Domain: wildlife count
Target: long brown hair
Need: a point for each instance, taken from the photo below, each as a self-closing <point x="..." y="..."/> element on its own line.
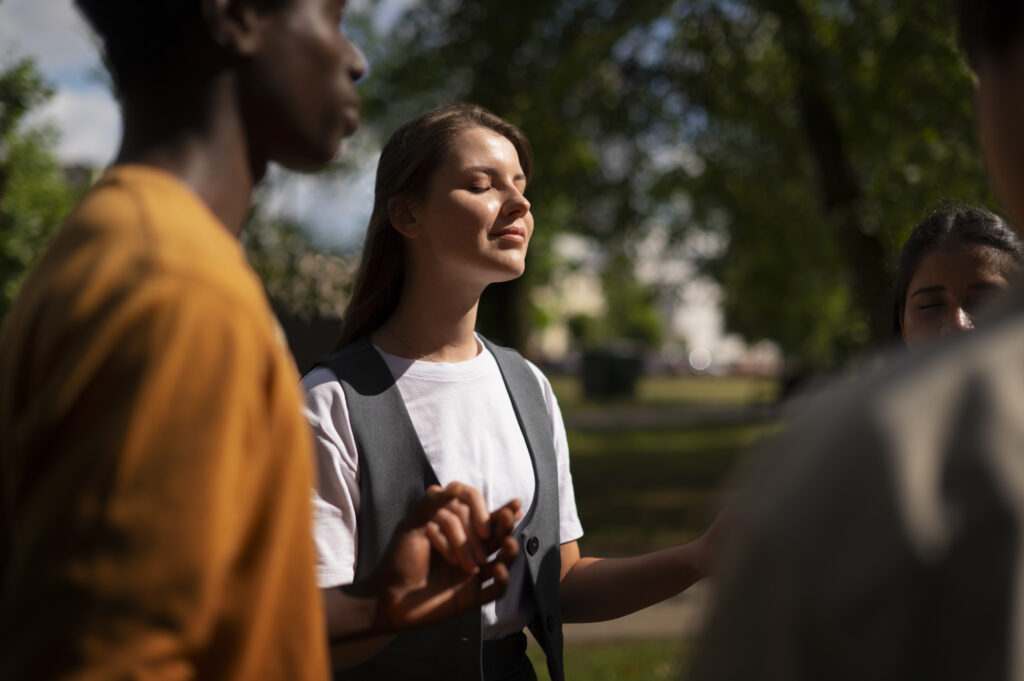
<point x="405" y="171"/>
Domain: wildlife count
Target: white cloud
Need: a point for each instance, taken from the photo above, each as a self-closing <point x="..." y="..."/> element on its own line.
<point x="89" y="123"/>
<point x="52" y="32"/>
<point x="333" y="207"/>
<point x="55" y="35"/>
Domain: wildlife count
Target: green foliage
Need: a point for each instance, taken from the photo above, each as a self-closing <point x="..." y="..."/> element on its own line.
<point x="547" y="67"/>
<point x="34" y="195"/>
<point x="657" y="660"/>
<point x="299" y="276"/>
<point x="812" y="133"/>
<point x="825" y="130"/>
<point x="632" y="311"/>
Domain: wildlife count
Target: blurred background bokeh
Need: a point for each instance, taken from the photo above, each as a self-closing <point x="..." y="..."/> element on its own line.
<point x="721" y="188"/>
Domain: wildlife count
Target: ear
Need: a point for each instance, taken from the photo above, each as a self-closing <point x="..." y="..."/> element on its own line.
<point x="402" y="218"/>
<point x="234" y="25"/>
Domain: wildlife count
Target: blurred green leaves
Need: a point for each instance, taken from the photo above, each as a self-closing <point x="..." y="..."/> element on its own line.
<point x="811" y="134"/>
<point x="34" y="195"/>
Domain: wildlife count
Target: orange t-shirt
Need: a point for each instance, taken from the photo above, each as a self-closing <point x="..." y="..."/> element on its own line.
<point x="155" y="468"/>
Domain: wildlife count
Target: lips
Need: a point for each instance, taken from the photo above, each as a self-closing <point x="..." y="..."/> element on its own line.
<point x="517" y="234"/>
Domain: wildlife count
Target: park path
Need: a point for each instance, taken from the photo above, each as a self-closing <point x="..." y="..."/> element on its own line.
<point x="682" y="615"/>
<point x="678" y="617"/>
<point x="618" y="416"/>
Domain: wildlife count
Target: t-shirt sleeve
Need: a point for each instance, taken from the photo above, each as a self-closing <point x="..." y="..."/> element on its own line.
<point x="174" y="494"/>
<point x="336" y="495"/>
<point x="570" y="528"/>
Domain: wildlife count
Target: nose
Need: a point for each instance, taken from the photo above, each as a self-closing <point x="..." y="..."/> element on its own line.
<point x="517" y="204"/>
<point x="357" y="65"/>
<point x="959" y="321"/>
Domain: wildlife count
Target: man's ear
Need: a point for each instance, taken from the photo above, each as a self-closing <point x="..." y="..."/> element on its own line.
<point x="402" y="219"/>
<point x="234" y="25"/>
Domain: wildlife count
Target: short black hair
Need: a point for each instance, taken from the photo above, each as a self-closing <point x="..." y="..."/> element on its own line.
<point x="143" y="39"/>
<point x="989" y="28"/>
<point x="140" y="38"/>
<point x="955" y="225"/>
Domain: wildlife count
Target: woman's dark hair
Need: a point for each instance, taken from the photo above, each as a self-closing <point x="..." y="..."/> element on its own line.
<point x="405" y="171"/>
<point x="989" y="28"/>
<point x="952" y="228"/>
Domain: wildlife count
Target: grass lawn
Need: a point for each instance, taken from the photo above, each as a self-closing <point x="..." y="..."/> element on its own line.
<point x="640" y="489"/>
<point x="657" y="390"/>
<point x="653" y="660"/>
<point x="637" y="490"/>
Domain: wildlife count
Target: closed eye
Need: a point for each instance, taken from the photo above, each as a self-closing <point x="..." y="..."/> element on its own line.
<point x="477" y="189"/>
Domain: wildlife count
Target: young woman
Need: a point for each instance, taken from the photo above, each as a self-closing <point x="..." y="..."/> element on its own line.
<point x="414" y="397"/>
<point x="949" y="269"/>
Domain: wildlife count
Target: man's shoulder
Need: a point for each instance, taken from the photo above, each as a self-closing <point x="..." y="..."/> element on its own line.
<point x="140" y="228"/>
<point x="893" y="429"/>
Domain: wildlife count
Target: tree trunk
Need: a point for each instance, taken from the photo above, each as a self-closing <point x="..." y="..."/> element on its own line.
<point x="840" y="188"/>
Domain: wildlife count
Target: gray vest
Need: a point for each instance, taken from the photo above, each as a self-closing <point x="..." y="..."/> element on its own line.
<point x="393" y="475"/>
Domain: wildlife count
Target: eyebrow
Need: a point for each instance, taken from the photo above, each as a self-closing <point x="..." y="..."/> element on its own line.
<point x="491" y="171"/>
<point x="928" y="289"/>
<point x="976" y="286"/>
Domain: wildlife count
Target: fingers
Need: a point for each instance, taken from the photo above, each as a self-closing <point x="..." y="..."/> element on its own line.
<point x="450" y="534"/>
<point x="498" y="573"/>
<point x="502" y="522"/>
<point x="474" y="501"/>
<point x="452" y="518"/>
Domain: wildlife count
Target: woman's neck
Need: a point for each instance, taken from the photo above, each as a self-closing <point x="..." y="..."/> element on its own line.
<point x="431" y="325"/>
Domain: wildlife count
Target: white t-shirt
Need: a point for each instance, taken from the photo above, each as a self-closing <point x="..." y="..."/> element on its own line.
<point x="465" y="421"/>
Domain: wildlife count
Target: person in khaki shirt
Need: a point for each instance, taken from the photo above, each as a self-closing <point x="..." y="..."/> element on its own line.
<point x="155" y="468"/>
<point x="881" y="537"/>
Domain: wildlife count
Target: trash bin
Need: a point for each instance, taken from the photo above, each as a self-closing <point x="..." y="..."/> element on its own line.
<point x="610" y="372"/>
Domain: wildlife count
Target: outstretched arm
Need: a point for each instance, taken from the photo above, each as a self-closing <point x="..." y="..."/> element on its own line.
<point x="434" y="569"/>
<point x="598" y="589"/>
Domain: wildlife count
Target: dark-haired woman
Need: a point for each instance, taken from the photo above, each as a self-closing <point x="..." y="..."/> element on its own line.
<point x="414" y="396"/>
<point x="950" y="268"/>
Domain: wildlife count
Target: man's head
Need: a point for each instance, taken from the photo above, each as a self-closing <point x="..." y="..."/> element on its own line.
<point x="992" y="33"/>
<point x="291" y="70"/>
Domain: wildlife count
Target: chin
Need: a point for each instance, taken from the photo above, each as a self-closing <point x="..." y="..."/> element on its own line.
<point x="313" y="153"/>
<point x="510" y="273"/>
<point x="313" y="159"/>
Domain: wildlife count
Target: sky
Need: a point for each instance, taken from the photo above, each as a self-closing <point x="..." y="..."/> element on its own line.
<point x="334" y="208"/>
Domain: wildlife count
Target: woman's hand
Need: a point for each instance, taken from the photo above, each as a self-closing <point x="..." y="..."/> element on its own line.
<point x="436" y="565"/>
<point x="705" y="548"/>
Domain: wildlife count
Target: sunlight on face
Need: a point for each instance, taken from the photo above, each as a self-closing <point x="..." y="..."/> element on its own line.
<point x="475" y="225"/>
<point x="949" y="289"/>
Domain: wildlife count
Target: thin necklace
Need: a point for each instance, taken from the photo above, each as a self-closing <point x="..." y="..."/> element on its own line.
<point x="417" y="353"/>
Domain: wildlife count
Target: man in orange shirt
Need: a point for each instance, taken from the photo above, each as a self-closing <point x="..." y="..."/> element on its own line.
<point x="155" y="469"/>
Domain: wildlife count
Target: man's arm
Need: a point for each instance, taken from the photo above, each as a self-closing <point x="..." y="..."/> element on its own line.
<point x="435" y="568"/>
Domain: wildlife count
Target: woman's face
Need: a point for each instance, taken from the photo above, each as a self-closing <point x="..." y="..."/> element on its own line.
<point x="475" y="224"/>
<point x="949" y="288"/>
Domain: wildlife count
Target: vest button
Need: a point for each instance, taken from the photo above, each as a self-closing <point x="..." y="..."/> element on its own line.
<point x="532" y="545"/>
<point x="550" y="622"/>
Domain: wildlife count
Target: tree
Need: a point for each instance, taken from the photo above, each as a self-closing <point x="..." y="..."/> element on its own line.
<point x="825" y="130"/>
<point x="301" y="278"/>
<point x="547" y="67"/>
<point x="811" y="133"/>
<point x="34" y="195"/>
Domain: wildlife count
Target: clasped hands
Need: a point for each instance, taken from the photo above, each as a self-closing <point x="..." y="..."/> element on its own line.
<point x="449" y="555"/>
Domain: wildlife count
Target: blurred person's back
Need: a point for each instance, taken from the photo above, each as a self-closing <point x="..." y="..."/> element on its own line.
<point x="880" y="537"/>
